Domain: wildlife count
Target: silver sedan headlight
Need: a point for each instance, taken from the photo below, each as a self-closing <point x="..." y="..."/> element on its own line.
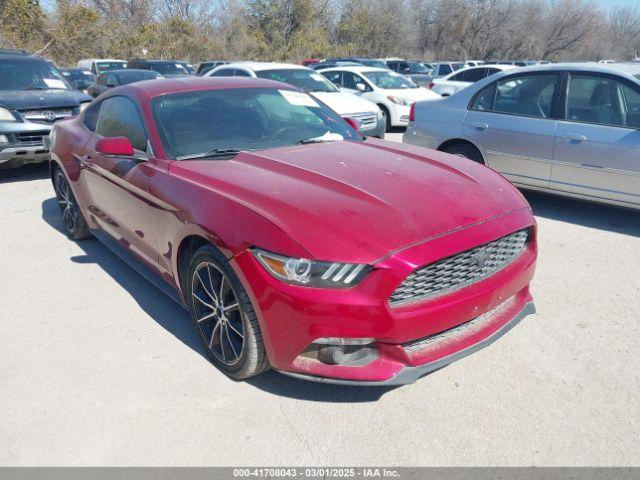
<point x="400" y="101"/>
<point x="311" y="273"/>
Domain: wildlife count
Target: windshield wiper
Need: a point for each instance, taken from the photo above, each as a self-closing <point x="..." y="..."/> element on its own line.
<point x="305" y="141"/>
<point x="215" y="153"/>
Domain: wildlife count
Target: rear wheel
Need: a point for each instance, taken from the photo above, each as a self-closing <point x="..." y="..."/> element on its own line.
<point x="466" y="151"/>
<point x="74" y="224"/>
<point x="224" y="316"/>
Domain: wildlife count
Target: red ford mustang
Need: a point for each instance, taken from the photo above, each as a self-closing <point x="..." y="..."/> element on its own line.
<point x="294" y="242"/>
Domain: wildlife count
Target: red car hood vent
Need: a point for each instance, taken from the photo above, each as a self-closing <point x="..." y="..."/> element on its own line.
<point x="357" y="202"/>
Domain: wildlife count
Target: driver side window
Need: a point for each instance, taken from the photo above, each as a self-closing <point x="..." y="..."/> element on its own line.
<point x="349" y="80"/>
<point x="119" y="117"/>
<point x="530" y="96"/>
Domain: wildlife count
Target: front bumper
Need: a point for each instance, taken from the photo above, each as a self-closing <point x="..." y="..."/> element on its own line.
<point x="377" y="131"/>
<point x="400" y="115"/>
<point x="25" y="143"/>
<point x="410" y="374"/>
<point x="17" y="156"/>
<point x="293" y="317"/>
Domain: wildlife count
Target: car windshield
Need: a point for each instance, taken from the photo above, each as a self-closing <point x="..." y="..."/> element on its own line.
<point x="389" y="80"/>
<point x="193" y="123"/>
<point x="30" y="75"/>
<point x="131" y="76"/>
<point x="418" y="67"/>
<point x="373" y="63"/>
<point x="304" y="79"/>
<point x="169" y="68"/>
<point x="78" y="75"/>
<point x="106" y="66"/>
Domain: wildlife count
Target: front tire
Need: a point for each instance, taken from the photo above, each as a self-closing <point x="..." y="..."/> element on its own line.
<point x="387" y="118"/>
<point x="223" y="316"/>
<point x="73" y="221"/>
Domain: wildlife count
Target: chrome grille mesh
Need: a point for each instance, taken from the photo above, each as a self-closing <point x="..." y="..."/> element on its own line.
<point x="368" y="119"/>
<point x="460" y="270"/>
<point x="31" y="137"/>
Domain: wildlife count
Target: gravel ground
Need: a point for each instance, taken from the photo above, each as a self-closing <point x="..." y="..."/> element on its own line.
<point x="97" y="367"/>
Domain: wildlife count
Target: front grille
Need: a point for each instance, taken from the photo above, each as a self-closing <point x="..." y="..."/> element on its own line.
<point x="31" y="137"/>
<point x="368" y="119"/>
<point x="460" y="270"/>
<point x="464" y="329"/>
<point x="47" y="114"/>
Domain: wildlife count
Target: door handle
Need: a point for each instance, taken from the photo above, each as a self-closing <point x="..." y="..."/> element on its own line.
<point x="85" y="161"/>
<point x="575" y="138"/>
<point x="480" y="126"/>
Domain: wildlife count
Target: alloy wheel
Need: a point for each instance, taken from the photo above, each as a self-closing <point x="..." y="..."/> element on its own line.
<point x="218" y="313"/>
<point x="66" y="202"/>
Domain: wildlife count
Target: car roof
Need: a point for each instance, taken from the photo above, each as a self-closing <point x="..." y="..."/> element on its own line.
<point x="478" y="67"/>
<point x="139" y="60"/>
<point x="496" y="66"/>
<point x="613" y="68"/>
<point x="154" y="88"/>
<point x="21" y="57"/>
<point x="355" y="69"/>
<point x="102" y="60"/>
<point x="259" y="66"/>
<point x="129" y="70"/>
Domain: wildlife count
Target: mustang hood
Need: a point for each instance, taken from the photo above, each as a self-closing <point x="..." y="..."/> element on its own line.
<point x="357" y="202"/>
<point x="41" y="99"/>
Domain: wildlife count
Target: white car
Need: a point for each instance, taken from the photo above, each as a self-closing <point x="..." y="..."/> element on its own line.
<point x="98" y="66"/>
<point x="456" y="81"/>
<point x="392" y="92"/>
<point x="370" y="116"/>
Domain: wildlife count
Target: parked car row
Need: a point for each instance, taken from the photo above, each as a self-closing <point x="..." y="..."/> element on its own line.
<point x="367" y="113"/>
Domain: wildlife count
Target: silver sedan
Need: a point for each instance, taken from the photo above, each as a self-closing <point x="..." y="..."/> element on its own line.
<point x="569" y="129"/>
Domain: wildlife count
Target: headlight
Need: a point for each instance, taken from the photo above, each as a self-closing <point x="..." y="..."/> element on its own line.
<point x="6" y="115"/>
<point x="301" y="271"/>
<point x="84" y="105"/>
<point x="400" y="101"/>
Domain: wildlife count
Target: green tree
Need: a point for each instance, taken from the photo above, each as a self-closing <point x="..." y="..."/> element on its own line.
<point x="21" y="24"/>
<point x="76" y="32"/>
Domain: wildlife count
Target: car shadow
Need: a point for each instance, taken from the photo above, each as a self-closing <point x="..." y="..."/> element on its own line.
<point x="25" y="173"/>
<point x="175" y="319"/>
<point x="584" y="213"/>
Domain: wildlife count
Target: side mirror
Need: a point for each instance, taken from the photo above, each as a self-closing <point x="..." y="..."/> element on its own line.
<point x="354" y="123"/>
<point x="361" y="87"/>
<point x="115" y="147"/>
